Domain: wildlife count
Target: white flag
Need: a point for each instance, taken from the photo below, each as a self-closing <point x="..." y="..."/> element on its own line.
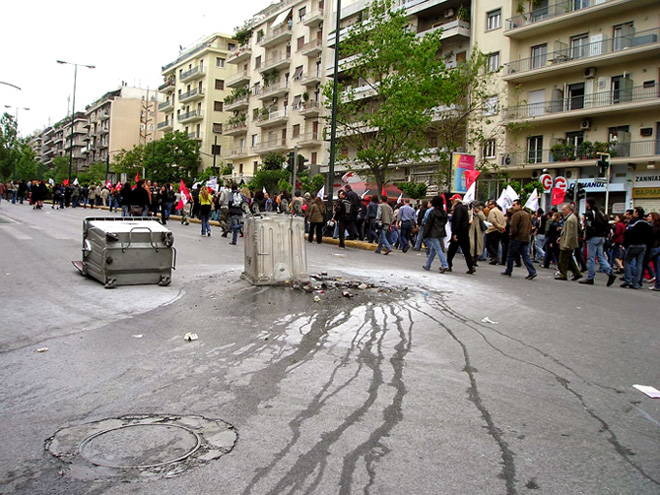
<point x="75" y="181"/>
<point x="364" y="194"/>
<point x="504" y="201"/>
<point x="470" y="195"/>
<point x="263" y="189"/>
<point x="51" y="182"/>
<point x="400" y="198"/>
<point x="321" y="192"/>
<point x="512" y="193"/>
<point x="533" y="201"/>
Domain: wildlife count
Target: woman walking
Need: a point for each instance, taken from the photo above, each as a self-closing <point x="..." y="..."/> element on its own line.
<point x="205" y="201"/>
<point x="316" y="220"/>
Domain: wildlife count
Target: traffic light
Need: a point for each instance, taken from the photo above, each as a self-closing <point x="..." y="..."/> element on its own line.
<point x="603" y="165"/>
<point x="570" y="192"/>
<point x="290" y="159"/>
<point x="581" y="192"/>
<point x="301" y="163"/>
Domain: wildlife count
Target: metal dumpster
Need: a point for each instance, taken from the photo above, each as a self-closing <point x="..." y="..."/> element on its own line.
<point x="275" y="250"/>
<point x="127" y="251"/>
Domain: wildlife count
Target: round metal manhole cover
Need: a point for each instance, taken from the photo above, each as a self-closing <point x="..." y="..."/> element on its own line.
<point x="139" y="447"/>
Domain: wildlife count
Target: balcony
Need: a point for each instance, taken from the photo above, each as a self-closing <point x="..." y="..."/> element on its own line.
<point x="243" y="53"/>
<point x="570" y="157"/>
<point x="274" y="90"/>
<point x="238" y="80"/>
<point x="105" y="115"/>
<point x="278" y="61"/>
<point x="276" y="36"/>
<point x="237" y="152"/>
<point x="449" y="29"/>
<point x="359" y="93"/>
<point x="311" y="79"/>
<point x="565" y="14"/>
<point x="196" y="136"/>
<point x="166" y="106"/>
<point x="193" y="94"/>
<point x="103" y="130"/>
<point x="273" y="118"/>
<point x="310" y="108"/>
<point x="190" y="116"/>
<point x="165" y="126"/>
<point x="272" y="145"/>
<point x="313" y="19"/>
<point x="623" y="100"/>
<point x="192" y="74"/>
<point x="167" y="86"/>
<point x="312" y="48"/>
<point x="240" y="103"/>
<point x="235" y="128"/>
<point x="309" y="139"/>
<point x="606" y="52"/>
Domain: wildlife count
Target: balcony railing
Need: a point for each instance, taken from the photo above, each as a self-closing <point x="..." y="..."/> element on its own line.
<point x="192" y="73"/>
<point x="309" y="108"/>
<point x="312" y="48"/>
<point x="190" y="95"/>
<point x="191" y="115"/>
<point x="272" y="118"/>
<point x="313" y="18"/>
<point x="196" y="136"/>
<point x="239" y="79"/>
<point x="243" y="53"/>
<point x="587" y="101"/>
<point x="166" y="104"/>
<point x="633" y="149"/>
<point x="584" y="52"/>
<point x="169" y="85"/>
<point x="270" y="145"/>
<point x="238" y="103"/>
<point x="309" y="139"/>
<point x="164" y="125"/>
<point x="275" y="61"/>
<point x="275" y="89"/>
<point x="550" y="12"/>
<point x="275" y="36"/>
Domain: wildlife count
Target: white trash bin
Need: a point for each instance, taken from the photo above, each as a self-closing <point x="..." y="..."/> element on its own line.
<point x="275" y="251"/>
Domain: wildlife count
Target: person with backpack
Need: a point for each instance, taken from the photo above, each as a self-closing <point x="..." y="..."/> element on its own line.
<point x="596" y="231"/>
<point x="236" y="201"/>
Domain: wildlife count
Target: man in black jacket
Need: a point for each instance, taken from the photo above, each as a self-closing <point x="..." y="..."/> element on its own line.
<point x="460" y="228"/>
<point x="597" y="229"/>
<point x="355" y="208"/>
<point x="637" y="239"/>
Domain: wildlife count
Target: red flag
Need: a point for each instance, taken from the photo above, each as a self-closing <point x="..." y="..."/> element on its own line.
<point x="185" y="196"/>
<point x="557" y="196"/>
<point x="470" y="177"/>
<point x="383" y="193"/>
<point x="65" y="182"/>
<point x="137" y="177"/>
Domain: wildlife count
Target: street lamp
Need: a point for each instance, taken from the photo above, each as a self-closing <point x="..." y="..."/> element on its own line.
<point x="73" y="108"/>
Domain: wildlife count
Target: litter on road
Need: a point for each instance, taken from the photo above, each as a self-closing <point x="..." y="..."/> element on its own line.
<point x="190" y="336"/>
<point x="488" y="320"/>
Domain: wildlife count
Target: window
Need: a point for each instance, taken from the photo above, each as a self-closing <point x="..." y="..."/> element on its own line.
<point x="301" y="13"/>
<point x="256" y="89"/>
<point x="494" y="62"/>
<point x="494" y="19"/>
<point x="231" y="46"/>
<point x="490" y="108"/>
<point x="575" y="96"/>
<point x="240" y="168"/>
<point x="314" y="155"/>
<point x="296" y="130"/>
<point x="219" y="62"/>
<point x="300" y="43"/>
<point x="219" y="84"/>
<point x="535" y="149"/>
<point x="255" y="139"/>
<point x="217" y="127"/>
<point x="539" y="56"/>
<point x="623" y="35"/>
<point x="217" y="106"/>
<point x="215" y="149"/>
<point x="298" y="73"/>
<point x="257" y="62"/>
<point x="580" y="46"/>
<point x="489" y="149"/>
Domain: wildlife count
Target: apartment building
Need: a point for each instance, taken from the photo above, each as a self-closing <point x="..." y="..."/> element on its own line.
<point x="56" y="141"/>
<point x="276" y="90"/>
<point x="194" y="95"/>
<point x="425" y="16"/>
<point x="120" y="119"/>
<point x="579" y="77"/>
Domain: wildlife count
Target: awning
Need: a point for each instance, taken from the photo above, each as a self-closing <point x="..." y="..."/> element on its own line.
<point x="281" y="18"/>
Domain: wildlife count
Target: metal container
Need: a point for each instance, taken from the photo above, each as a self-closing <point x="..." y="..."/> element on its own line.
<point x="275" y="250"/>
<point x="127" y="251"/>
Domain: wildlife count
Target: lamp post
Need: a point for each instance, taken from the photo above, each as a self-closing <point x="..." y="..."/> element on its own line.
<point x="73" y="108"/>
<point x="333" y="120"/>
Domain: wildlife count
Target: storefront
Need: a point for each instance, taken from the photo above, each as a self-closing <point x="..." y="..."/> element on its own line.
<point x="646" y="190"/>
<point x="597" y="189"/>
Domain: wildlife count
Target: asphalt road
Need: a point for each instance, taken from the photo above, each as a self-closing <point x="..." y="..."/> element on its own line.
<point x="400" y="389"/>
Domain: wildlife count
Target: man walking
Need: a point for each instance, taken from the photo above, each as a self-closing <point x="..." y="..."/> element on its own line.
<point x="595" y="233"/>
<point x="637" y="238"/>
<point x="568" y="241"/>
<point x="520" y="232"/>
<point x="460" y="233"/>
<point x="406" y="220"/>
<point x="494" y="232"/>
<point x="384" y="219"/>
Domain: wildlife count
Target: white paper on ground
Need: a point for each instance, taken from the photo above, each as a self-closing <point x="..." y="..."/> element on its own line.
<point x="652" y="392"/>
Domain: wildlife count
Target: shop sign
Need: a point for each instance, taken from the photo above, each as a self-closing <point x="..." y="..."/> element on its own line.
<point x="646" y="193"/>
<point x="647" y="179"/>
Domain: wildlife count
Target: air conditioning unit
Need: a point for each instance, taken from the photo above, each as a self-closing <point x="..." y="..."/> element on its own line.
<point x="585" y="124"/>
<point x="572" y="173"/>
<point x="449" y="13"/>
<point x="589" y="72"/>
<point x="506" y="159"/>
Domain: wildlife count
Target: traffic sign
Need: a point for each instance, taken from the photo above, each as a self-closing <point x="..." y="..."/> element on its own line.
<point x="546" y="182"/>
<point x="560" y="183"/>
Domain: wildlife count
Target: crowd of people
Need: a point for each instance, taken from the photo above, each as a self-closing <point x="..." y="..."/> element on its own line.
<point x="625" y="245"/>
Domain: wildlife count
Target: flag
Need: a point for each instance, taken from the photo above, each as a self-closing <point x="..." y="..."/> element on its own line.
<point x="470" y="178"/>
<point x="383" y="191"/>
<point x="504" y="201"/>
<point x="118" y="184"/>
<point x="364" y="194"/>
<point x="321" y="192"/>
<point x="557" y="196"/>
<point x="65" y="182"/>
<point x="108" y="184"/>
<point x="184" y="197"/>
<point x="512" y="193"/>
<point x="51" y="182"/>
<point x="75" y="181"/>
<point x="533" y="201"/>
<point x="137" y="177"/>
<point x="263" y="189"/>
<point x="400" y="198"/>
<point x="471" y="194"/>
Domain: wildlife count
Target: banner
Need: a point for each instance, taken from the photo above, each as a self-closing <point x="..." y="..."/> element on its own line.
<point x="558" y="195"/>
<point x="461" y="162"/>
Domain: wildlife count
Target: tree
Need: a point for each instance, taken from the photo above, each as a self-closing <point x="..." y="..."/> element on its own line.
<point x="416" y="190"/>
<point x="26" y="162"/>
<point x="7" y="144"/>
<point x="406" y="81"/>
<point x="273" y="161"/>
<point x="60" y="170"/>
<point x="95" y="174"/>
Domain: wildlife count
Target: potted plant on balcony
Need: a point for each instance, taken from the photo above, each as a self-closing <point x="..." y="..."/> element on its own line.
<point x="264" y="113"/>
<point x="463" y="13"/>
<point x="243" y="35"/>
<point x="260" y="35"/>
<point x="269" y="77"/>
<point x="305" y="96"/>
<point x="585" y="150"/>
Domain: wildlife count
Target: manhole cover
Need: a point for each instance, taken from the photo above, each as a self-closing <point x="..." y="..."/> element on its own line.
<point x="140" y="447"/>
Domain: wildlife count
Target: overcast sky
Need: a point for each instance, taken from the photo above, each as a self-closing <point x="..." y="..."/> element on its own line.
<point x="126" y="41"/>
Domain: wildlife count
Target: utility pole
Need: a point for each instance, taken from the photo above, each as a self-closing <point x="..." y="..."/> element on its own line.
<point x="604" y="162"/>
<point x="295" y="169"/>
<point x="333" y="121"/>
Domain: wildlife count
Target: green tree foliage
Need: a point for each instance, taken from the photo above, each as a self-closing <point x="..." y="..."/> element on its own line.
<point x="416" y="190"/>
<point x="95" y="174"/>
<point x="169" y="159"/>
<point x="7" y="145"/>
<point x="26" y="162"/>
<point x="406" y="81"/>
<point x="273" y="161"/>
<point x="60" y="170"/>
<point x="269" y="179"/>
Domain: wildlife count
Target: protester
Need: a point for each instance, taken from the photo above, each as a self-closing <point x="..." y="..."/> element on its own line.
<point x="494" y="231"/>
<point x="596" y="231"/>
<point x="205" y="200"/>
<point x="435" y="232"/>
<point x="384" y="219"/>
<point x="568" y="242"/>
<point x="637" y="239"/>
<point x="317" y="213"/>
<point x="520" y="232"/>
<point x="460" y="229"/>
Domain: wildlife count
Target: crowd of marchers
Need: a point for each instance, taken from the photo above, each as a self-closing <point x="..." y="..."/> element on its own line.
<point x="625" y="245"/>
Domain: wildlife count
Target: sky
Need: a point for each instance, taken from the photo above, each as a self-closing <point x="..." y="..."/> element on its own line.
<point x="126" y="40"/>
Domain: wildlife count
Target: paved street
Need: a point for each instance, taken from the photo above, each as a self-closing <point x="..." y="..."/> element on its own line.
<point x="400" y="389"/>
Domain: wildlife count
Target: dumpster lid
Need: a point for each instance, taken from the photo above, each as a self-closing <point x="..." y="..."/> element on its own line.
<point x="127" y="226"/>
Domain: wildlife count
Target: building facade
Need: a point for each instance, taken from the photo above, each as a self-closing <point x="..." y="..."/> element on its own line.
<point x="276" y="91"/>
<point x="193" y="96"/>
